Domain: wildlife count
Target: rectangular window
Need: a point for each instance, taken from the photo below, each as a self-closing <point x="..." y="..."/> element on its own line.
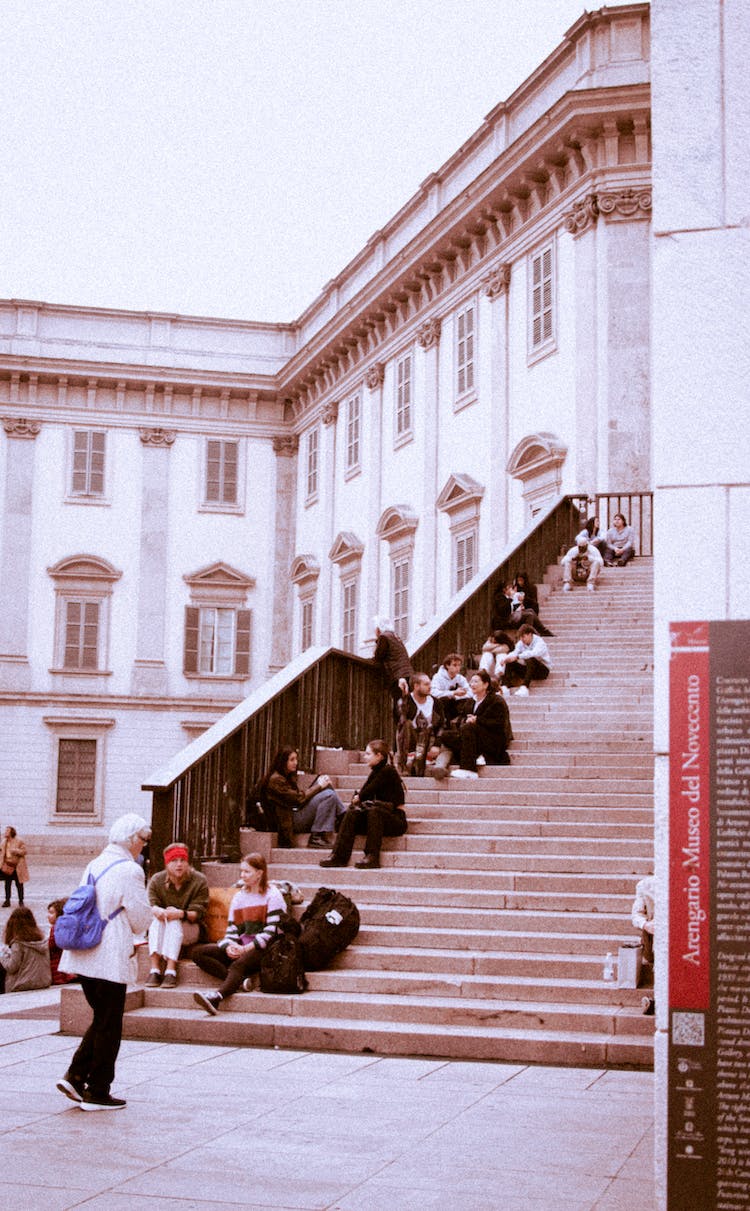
<point x="353" y="422"/>
<point x="81" y="640"/>
<point x="307" y="625"/>
<point x="312" y="463"/>
<point x="542" y="299"/>
<point x="465" y="351"/>
<point x="217" y="641"/>
<point x="403" y="397"/>
<point x="222" y="472"/>
<point x="464" y="554"/>
<point x="401" y="597"/>
<point x="88" y="463"/>
<point x="76" y="777"/>
<point x="349" y="616"/>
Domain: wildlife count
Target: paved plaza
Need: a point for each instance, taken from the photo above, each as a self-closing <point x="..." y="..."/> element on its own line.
<point x="229" y="1128"/>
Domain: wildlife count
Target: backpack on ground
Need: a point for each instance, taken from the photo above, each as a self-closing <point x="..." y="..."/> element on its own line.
<point x="81" y="925"/>
<point x="282" y="968"/>
<point x="329" y="923"/>
<point x="291" y="893"/>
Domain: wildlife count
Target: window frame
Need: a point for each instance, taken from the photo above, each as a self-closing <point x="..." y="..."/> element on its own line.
<point x="88" y="581"/>
<point x="401" y="592"/>
<point x="547" y="342"/>
<point x="403" y="429"/>
<point x="312" y="465"/>
<point x="307" y="621"/>
<point x="349" y="612"/>
<point x="353" y="451"/>
<point x="462" y="571"/>
<point x="87" y="495"/>
<point x="196" y="618"/>
<point x="466" y="363"/>
<point x="63" y="728"/>
<point x="222" y="505"/>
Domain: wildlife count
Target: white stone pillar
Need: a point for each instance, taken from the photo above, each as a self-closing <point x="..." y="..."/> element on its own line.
<point x="428" y="338"/>
<point x="149" y="668"/>
<point x="374" y="383"/>
<point x="285" y="449"/>
<point x="496" y="286"/>
<point x="15" y="565"/>
<point x="328" y="478"/>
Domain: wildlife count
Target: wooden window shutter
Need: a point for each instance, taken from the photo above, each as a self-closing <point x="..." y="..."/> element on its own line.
<point x="242" y="644"/>
<point x="192" y="630"/>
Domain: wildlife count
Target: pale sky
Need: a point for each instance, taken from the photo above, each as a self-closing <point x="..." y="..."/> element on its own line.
<point x="228" y="157"/>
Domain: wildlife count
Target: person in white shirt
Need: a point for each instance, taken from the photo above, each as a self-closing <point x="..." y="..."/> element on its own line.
<point x="619" y="542"/>
<point x="451" y="687"/>
<point x="529" y="661"/>
<point x="581" y="563"/>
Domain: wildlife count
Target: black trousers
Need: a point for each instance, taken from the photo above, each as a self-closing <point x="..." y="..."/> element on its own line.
<point x="214" y="960"/>
<point x="94" y="1062"/>
<point x="524" y="672"/>
<point x="9" y="880"/>
<point x="375" y="822"/>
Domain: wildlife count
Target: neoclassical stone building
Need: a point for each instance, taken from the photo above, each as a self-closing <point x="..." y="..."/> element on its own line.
<point x="188" y="503"/>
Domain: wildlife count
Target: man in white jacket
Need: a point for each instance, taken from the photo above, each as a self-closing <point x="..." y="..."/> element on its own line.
<point x="581" y="563"/>
<point x="104" y="971"/>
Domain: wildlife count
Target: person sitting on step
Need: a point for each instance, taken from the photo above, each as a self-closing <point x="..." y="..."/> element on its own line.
<point x="451" y="687"/>
<point x="529" y="661"/>
<point x="495" y="650"/>
<point x="178" y="896"/>
<point x="315" y="810"/>
<point x="254" y="917"/>
<point x="24" y="955"/>
<point x="483" y="736"/>
<point x="376" y="811"/>
<point x="581" y="564"/>
<point x="642" y="916"/>
<point x="420" y="727"/>
<point x="619" y="542"/>
<point x="525" y="594"/>
<point x="509" y="610"/>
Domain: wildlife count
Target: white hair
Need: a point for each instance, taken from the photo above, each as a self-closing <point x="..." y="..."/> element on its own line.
<point x="382" y="622"/>
<point x="126" y="827"/>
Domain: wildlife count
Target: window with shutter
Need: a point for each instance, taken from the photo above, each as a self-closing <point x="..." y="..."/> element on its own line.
<point x="87" y="474"/>
<point x="542" y="299"/>
<point x="403" y="397"/>
<point x="464" y="559"/>
<point x="465" y="351"/>
<point x="222" y="472"/>
<point x="312" y="464"/>
<point x="306" y="636"/>
<point x="192" y="631"/>
<point x="401" y="597"/>
<point x="81" y="635"/>
<point x="349" y="616"/>
<point x="76" y="777"/>
<point x="217" y="641"/>
<point x="353" y="424"/>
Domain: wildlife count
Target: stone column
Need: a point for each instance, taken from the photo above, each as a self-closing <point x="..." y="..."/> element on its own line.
<point x="328" y="486"/>
<point x="589" y="380"/>
<point x="428" y="338"/>
<point x="496" y="287"/>
<point x="149" y="668"/>
<point x="15" y="565"/>
<point x="285" y="449"/>
<point x="374" y="383"/>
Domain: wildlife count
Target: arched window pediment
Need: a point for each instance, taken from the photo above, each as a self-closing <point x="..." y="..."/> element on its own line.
<point x="536" y="453"/>
<point x="397" y="522"/>
<point x="304" y="569"/>
<point x="78" y="568"/>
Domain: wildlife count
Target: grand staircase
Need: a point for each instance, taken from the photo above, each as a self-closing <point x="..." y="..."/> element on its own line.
<point x="484" y="934"/>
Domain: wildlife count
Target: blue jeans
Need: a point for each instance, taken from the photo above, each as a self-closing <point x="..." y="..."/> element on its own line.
<point x="319" y="814"/>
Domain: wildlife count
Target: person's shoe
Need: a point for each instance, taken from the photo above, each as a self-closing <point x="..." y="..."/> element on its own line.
<point x="622" y="563"/>
<point x="566" y="588"/>
<point x="102" y="1101"/>
<point x="464" y="774"/>
<point x="591" y="586"/>
<point x="251" y="983"/>
<point x="6" y="903"/>
<point x="440" y="772"/>
<point x="169" y="980"/>
<point x="210" y="1001"/>
<point x="609" y="563"/>
<point x="481" y="760"/>
<point x="522" y="691"/>
<point x="648" y="1006"/>
<point x="317" y="841"/>
<point x="154" y="979"/>
<point x="331" y="862"/>
<point x="506" y="692"/>
<point x="71" y="1087"/>
<point x="368" y="863"/>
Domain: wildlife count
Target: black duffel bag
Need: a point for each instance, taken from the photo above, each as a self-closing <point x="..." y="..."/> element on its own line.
<point x="329" y="923"/>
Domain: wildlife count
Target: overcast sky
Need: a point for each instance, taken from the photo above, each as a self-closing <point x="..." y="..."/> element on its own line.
<point x="228" y="157"/>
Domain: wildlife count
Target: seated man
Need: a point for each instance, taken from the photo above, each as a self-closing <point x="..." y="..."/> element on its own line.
<point x="451" y="687"/>
<point x="529" y="661"/>
<point x="582" y="564"/>
<point x="642" y="916"/>
<point x="421" y="725"/>
<point x="619" y="542"/>
<point x="486" y="733"/>
<point x="178" y="896"/>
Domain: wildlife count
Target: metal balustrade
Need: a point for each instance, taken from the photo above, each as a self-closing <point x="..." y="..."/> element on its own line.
<point x="330" y="698"/>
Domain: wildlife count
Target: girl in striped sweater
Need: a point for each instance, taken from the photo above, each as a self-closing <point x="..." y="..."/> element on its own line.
<point x="254" y="916"/>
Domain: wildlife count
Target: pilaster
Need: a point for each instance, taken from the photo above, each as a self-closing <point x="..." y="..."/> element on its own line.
<point x="15" y="561"/>
<point x="496" y="286"/>
<point x="329" y="477"/>
<point x="149" y="668"/>
<point x="428" y="338"/>
<point x="285" y="448"/>
<point x="374" y="383"/>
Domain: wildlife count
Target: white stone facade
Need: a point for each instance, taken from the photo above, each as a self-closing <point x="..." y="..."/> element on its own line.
<point x="177" y="480"/>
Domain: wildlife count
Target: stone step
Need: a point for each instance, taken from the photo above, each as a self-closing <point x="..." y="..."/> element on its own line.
<point x="286" y="862"/>
<point x="580" y="969"/>
<point x="432" y="827"/>
<point x="489" y="899"/>
<point x="510" y="987"/>
<point x="539" y="846"/>
<point x="390" y="881"/>
<point x="503" y="920"/>
<point x="559" y="941"/>
<point x="599" y="814"/>
<point x="375" y="1037"/>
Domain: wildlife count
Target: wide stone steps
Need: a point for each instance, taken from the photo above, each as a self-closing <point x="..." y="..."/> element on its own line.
<point x="483" y="934"/>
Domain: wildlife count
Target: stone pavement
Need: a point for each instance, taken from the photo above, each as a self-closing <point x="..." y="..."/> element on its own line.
<point x="226" y="1128"/>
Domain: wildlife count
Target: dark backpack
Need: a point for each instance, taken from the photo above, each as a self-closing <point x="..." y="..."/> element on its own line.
<point x="81" y="925"/>
<point x="281" y="968"/>
<point x="329" y="923"/>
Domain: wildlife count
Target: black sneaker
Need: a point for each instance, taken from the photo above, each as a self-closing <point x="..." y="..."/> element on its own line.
<point x="102" y="1101"/>
<point x="331" y="862"/>
<point x="71" y="1088"/>
<point x="209" y="1001"/>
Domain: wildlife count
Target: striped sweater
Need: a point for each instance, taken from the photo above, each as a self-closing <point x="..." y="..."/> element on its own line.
<point x="254" y="917"/>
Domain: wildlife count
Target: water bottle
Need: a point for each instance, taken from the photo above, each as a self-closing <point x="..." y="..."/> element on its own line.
<point x="609" y="966"/>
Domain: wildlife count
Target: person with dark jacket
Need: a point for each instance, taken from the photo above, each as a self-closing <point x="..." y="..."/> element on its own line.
<point x="510" y="611"/>
<point x="526" y="595"/>
<point x="485" y="733"/>
<point x="421" y="725"/>
<point x="375" y="811"/>
<point x="24" y="955"/>
<point x="391" y="654"/>
<point x="314" y="810"/>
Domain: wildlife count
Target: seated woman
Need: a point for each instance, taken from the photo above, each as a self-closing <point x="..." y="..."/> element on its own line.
<point x="619" y="542"/>
<point x="254" y="916"/>
<point x="509" y="610"/>
<point x="55" y="910"/>
<point x="178" y="896"/>
<point x="314" y="810"/>
<point x="485" y="733"/>
<point x="495" y="650"/>
<point x="376" y="811"/>
<point x="529" y="661"/>
<point x="24" y="957"/>
<point x="526" y="596"/>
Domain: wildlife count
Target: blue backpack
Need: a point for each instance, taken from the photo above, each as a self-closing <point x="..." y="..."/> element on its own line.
<point x="81" y="925"/>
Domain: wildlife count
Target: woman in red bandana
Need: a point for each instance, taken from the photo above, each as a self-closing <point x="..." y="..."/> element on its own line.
<point x="179" y="900"/>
